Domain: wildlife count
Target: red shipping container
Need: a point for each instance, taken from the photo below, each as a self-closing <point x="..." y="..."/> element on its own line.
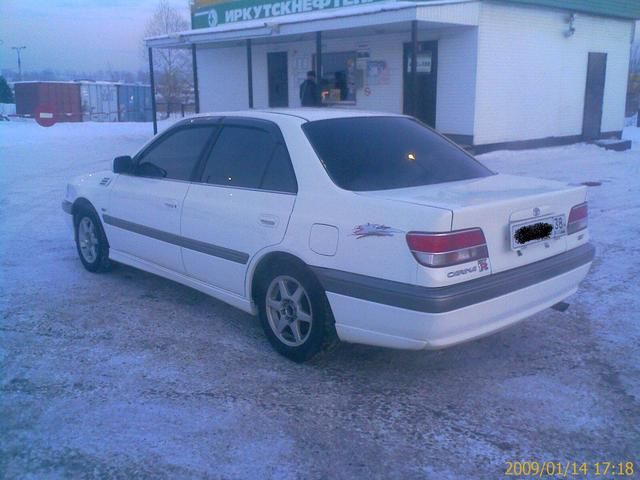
<point x="63" y="98"/>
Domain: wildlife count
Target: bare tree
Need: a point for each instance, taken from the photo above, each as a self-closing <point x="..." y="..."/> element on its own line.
<point x="172" y="66"/>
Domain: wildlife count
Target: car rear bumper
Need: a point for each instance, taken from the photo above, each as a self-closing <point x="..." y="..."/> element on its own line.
<point x="392" y="314"/>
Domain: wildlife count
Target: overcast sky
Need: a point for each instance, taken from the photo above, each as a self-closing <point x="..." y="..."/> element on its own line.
<point x="81" y="35"/>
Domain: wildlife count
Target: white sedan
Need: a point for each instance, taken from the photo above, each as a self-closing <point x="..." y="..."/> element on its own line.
<point x="335" y="224"/>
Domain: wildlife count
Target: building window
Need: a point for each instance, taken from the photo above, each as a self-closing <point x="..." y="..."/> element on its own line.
<point x="337" y="81"/>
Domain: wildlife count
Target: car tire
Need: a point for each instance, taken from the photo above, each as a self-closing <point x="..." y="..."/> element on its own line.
<point x="91" y="241"/>
<point x="295" y="313"/>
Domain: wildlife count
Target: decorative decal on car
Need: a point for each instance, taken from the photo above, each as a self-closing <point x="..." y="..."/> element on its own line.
<point x="105" y="181"/>
<point x="374" y="230"/>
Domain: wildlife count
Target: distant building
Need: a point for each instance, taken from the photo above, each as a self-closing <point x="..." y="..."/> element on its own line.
<point x="487" y="73"/>
<point x="82" y="101"/>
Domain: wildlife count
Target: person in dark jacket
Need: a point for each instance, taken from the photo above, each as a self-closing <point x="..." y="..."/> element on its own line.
<point x="309" y="92"/>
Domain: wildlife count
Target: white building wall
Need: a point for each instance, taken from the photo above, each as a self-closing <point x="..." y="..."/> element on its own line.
<point x="222" y="78"/>
<point x="456" y="90"/>
<point x="531" y="78"/>
<point x="223" y="74"/>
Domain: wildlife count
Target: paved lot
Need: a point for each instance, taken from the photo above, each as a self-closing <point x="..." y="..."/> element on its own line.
<point x="128" y="375"/>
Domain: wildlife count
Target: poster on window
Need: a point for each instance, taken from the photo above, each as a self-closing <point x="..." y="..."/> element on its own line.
<point x="377" y="73"/>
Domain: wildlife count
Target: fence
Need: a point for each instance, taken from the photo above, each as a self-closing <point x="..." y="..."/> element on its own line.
<point x="165" y="110"/>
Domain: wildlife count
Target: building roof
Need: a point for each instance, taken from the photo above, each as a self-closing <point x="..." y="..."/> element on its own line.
<point x="615" y="8"/>
<point x="609" y="8"/>
<point x="351" y="14"/>
<point x="440" y="12"/>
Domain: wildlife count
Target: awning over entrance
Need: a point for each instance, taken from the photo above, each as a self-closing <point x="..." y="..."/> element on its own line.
<point x="366" y="18"/>
<point x="444" y="12"/>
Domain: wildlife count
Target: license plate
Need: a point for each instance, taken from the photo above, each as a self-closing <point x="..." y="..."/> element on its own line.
<point x="530" y="231"/>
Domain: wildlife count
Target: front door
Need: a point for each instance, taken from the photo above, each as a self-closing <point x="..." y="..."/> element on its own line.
<point x="142" y="218"/>
<point x="594" y="95"/>
<point x="278" y="83"/>
<point x="420" y="101"/>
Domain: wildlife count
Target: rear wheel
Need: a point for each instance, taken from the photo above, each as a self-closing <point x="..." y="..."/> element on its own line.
<point x="294" y="313"/>
<point x="91" y="242"/>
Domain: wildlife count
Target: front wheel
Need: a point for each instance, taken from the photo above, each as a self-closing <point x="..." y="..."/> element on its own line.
<point x="91" y="242"/>
<point x="295" y="314"/>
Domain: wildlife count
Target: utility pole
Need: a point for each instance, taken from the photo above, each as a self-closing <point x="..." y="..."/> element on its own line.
<point x="18" y="50"/>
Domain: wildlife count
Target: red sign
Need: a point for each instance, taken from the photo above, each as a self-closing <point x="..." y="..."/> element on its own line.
<point x="44" y="116"/>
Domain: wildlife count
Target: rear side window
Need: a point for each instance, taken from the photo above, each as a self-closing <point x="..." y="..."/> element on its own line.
<point x="279" y="174"/>
<point x="382" y="153"/>
<point x="176" y="154"/>
<point x="249" y="157"/>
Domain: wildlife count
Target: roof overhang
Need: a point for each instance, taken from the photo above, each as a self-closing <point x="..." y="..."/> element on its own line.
<point x="442" y="12"/>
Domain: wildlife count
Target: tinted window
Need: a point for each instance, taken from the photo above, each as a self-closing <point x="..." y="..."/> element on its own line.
<point x="248" y="157"/>
<point x="176" y="154"/>
<point x="380" y="153"/>
<point x="279" y="175"/>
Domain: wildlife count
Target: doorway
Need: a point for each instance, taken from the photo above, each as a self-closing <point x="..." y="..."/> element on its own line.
<point x="594" y="96"/>
<point x="278" y="79"/>
<point x="421" y="103"/>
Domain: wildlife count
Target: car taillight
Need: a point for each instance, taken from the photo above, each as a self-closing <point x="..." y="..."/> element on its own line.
<point x="578" y="218"/>
<point x="447" y="249"/>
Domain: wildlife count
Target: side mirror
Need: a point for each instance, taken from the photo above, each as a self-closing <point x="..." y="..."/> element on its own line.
<point x="123" y="164"/>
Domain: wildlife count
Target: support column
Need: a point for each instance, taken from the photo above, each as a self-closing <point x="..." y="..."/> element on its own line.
<point x="250" y="72"/>
<point x="153" y="92"/>
<point x="414" y="67"/>
<point x="194" y="64"/>
<point x="318" y="65"/>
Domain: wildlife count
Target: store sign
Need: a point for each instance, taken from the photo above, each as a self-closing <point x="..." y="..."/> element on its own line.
<point x="247" y="10"/>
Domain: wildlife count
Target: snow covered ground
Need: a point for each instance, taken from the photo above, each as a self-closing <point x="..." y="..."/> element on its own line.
<point x="128" y="375"/>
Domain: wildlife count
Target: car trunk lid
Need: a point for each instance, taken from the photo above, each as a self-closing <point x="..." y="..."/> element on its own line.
<point x="495" y="204"/>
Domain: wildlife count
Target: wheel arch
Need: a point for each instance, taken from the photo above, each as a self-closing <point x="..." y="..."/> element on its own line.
<point x="80" y="203"/>
<point x="268" y="261"/>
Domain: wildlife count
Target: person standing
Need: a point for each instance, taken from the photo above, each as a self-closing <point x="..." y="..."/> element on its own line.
<point x="309" y="94"/>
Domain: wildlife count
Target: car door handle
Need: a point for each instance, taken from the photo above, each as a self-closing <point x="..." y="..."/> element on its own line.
<point x="268" y="221"/>
<point x="170" y="204"/>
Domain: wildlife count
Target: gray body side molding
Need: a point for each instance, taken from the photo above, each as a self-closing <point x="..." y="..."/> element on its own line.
<point x="198" y="246"/>
<point x="446" y="299"/>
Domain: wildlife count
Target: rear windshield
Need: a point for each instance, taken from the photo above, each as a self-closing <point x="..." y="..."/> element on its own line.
<point x="382" y="153"/>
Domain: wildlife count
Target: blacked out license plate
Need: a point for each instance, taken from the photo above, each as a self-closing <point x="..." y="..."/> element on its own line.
<point x="530" y="231"/>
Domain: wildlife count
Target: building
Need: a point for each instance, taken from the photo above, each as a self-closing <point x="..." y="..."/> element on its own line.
<point x="82" y="101"/>
<point x="492" y="74"/>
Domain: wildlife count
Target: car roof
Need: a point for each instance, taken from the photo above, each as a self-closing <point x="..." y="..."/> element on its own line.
<point x="306" y="114"/>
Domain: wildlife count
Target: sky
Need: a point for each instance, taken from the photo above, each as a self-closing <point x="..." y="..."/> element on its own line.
<point x="80" y="35"/>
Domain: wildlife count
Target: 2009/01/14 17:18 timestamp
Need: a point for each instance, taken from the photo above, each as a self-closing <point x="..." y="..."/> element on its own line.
<point x="570" y="469"/>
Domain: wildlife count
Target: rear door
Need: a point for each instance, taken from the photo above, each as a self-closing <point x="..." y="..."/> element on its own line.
<point x="241" y="203"/>
<point x="143" y="218"/>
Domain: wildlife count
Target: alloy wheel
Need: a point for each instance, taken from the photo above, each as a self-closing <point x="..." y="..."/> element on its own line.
<point x="289" y="311"/>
